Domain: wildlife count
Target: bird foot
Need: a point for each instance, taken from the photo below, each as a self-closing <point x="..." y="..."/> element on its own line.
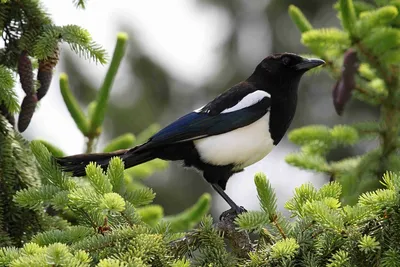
<point x="232" y="213"/>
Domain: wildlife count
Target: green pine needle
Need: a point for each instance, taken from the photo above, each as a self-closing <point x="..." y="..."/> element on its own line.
<point x="368" y="244"/>
<point x="339" y="259"/>
<point x="329" y="190"/>
<point x="97" y="118"/>
<point x="348" y="14"/>
<point x="326" y="38"/>
<point x="324" y="215"/>
<point x="299" y="19"/>
<point x="81" y="43"/>
<point x="252" y="220"/>
<point x="379" y="17"/>
<point x="379" y="198"/>
<point x="8" y="97"/>
<point x="192" y="216"/>
<point x="302" y="195"/>
<point x="55" y="151"/>
<point x="266" y="195"/>
<point x="35" y="197"/>
<point x="121" y="142"/>
<point x="115" y="174"/>
<point x="151" y="214"/>
<point x="72" y="234"/>
<point x="112" y="202"/>
<point x="47" y="42"/>
<point x="140" y="197"/>
<point x="51" y="174"/>
<point x="80" y="3"/>
<point x="285" y="248"/>
<point x="391" y="258"/>
<point x="308" y="162"/>
<point x="344" y="135"/>
<point x="382" y="39"/>
<point x="98" y="179"/>
<point x="72" y="105"/>
<point x="307" y="134"/>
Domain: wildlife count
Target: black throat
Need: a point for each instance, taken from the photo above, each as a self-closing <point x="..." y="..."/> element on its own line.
<point x="281" y="115"/>
<point x="283" y="91"/>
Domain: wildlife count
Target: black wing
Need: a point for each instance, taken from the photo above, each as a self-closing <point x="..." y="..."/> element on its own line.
<point x="229" y="98"/>
<point x="196" y="125"/>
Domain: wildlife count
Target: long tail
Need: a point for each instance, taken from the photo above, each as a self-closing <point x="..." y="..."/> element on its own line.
<point x="77" y="163"/>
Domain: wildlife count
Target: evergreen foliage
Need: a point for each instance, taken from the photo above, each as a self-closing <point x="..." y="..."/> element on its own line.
<point x="31" y="41"/>
<point x="49" y="218"/>
<point x="17" y="171"/>
<point x="112" y="231"/>
<point x="113" y="219"/>
<point x="364" y="58"/>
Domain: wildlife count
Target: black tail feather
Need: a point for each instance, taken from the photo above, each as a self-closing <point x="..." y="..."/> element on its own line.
<point x="77" y="163"/>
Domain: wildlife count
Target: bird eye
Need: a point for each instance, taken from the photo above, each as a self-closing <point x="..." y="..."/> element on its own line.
<point x="285" y="61"/>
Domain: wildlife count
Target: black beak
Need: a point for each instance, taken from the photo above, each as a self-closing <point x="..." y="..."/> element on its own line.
<point x="309" y="63"/>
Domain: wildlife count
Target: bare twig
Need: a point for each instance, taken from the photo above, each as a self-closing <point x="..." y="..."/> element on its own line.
<point x="277" y="225"/>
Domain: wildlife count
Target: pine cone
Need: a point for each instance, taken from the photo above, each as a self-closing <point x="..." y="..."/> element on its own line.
<point x="28" y="107"/>
<point x="45" y="74"/>
<point x="343" y="87"/>
<point x="25" y="73"/>
<point x="44" y="77"/>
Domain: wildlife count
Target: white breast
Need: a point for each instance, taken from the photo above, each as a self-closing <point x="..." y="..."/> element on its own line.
<point x="241" y="147"/>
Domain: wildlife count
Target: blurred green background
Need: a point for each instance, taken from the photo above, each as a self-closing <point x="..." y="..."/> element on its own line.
<point x="181" y="55"/>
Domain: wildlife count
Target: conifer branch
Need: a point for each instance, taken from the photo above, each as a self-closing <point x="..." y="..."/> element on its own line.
<point x="73" y="106"/>
<point x="226" y="227"/>
<point x="98" y="115"/>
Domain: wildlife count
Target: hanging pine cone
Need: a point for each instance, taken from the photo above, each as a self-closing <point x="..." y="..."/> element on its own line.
<point x="25" y="73"/>
<point x="344" y="86"/>
<point x="45" y="74"/>
<point x="28" y="107"/>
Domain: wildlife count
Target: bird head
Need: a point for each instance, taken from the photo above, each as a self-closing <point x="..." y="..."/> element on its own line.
<point x="281" y="72"/>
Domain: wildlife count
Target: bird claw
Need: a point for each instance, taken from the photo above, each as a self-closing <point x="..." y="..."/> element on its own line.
<point x="232" y="212"/>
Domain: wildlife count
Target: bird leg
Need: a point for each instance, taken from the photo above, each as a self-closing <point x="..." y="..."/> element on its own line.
<point x="234" y="207"/>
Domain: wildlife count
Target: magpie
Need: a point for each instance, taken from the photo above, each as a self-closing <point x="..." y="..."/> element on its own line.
<point x="235" y="130"/>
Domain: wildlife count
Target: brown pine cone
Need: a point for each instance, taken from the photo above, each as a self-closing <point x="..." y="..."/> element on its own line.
<point x="44" y="77"/>
<point x="28" y="107"/>
<point x="25" y="73"/>
<point x="344" y="87"/>
<point x="45" y="74"/>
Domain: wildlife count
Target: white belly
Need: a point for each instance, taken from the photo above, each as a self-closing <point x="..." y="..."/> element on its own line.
<point x="241" y="147"/>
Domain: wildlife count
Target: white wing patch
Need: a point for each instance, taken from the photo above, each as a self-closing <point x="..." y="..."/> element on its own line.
<point x="248" y="101"/>
<point x="199" y="109"/>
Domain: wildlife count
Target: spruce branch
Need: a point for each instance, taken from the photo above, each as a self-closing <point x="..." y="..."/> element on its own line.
<point x="226" y="227"/>
<point x="73" y="106"/>
<point x="55" y="151"/>
<point x="8" y="96"/>
<point x="80" y="3"/>
<point x="299" y="19"/>
<point x="369" y="19"/>
<point x="348" y="15"/>
<point x="121" y="142"/>
<point x="115" y="174"/>
<point x="252" y="221"/>
<point x="81" y="43"/>
<point x="189" y="218"/>
<point x="98" y="115"/>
